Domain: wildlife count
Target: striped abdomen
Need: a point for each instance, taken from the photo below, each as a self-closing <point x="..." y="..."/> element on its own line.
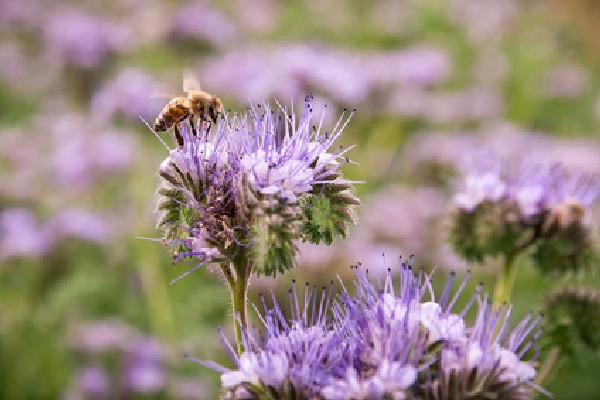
<point x="176" y="110"/>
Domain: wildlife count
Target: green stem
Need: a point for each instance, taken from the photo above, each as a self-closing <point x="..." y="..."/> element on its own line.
<point x="548" y="365"/>
<point x="238" y="288"/>
<point x="506" y="280"/>
<point x="239" y="296"/>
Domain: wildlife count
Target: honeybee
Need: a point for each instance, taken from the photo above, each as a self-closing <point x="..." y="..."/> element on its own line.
<point x="197" y="103"/>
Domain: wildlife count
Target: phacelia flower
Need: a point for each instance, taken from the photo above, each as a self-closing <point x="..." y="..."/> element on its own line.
<point x="386" y="342"/>
<point x="504" y="207"/>
<point x="252" y="186"/>
<point x="293" y="358"/>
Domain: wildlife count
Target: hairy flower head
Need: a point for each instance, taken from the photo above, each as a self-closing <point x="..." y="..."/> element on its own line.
<point x="503" y="207"/>
<point x="386" y="341"/>
<point x="254" y="184"/>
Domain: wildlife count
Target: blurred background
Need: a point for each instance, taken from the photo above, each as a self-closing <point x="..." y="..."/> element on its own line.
<point x="86" y="309"/>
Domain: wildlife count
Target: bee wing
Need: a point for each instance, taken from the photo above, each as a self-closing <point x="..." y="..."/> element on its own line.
<point x="162" y="91"/>
<point x="163" y="96"/>
<point x="190" y="81"/>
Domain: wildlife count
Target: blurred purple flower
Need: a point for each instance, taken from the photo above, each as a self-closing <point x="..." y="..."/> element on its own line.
<point x="418" y="66"/>
<point x="83" y="39"/>
<point x="84" y="153"/>
<point x="145" y="372"/>
<point x="536" y="188"/>
<point x="258" y="16"/>
<point x="472" y="104"/>
<point x="78" y="223"/>
<point x="20" y="15"/>
<point x="566" y="81"/>
<point x="203" y="22"/>
<point x="13" y="63"/>
<point x="400" y="219"/>
<point x="129" y="95"/>
<point x="102" y="336"/>
<point x="21" y="235"/>
<point x="507" y="205"/>
<point x="345" y="76"/>
<point x="436" y="153"/>
<point x="94" y="382"/>
<point x="484" y="20"/>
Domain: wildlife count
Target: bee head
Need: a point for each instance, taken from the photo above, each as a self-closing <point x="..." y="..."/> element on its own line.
<point x="215" y="107"/>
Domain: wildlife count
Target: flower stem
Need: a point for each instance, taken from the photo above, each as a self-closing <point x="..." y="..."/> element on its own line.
<point x="238" y="283"/>
<point x="506" y="280"/>
<point x="547" y="366"/>
<point x="240" y="302"/>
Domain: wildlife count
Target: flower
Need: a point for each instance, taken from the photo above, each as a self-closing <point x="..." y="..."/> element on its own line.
<point x="293" y="358"/>
<point x="504" y="207"/>
<point x="534" y="187"/>
<point x="85" y="40"/>
<point x="385" y="341"/>
<point x="145" y="372"/>
<point x="253" y="185"/>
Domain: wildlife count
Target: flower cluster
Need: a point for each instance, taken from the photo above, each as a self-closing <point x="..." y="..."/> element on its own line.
<point x="252" y="185"/>
<point x="385" y="343"/>
<point x="504" y="207"/>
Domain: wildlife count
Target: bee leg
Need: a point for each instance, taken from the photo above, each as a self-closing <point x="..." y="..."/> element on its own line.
<point x="178" y="136"/>
<point x="192" y="125"/>
<point x="203" y="121"/>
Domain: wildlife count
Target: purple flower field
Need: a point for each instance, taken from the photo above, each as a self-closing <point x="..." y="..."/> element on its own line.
<point x="461" y="137"/>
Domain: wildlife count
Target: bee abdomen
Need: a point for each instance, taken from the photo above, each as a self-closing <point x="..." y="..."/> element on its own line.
<point x="173" y="112"/>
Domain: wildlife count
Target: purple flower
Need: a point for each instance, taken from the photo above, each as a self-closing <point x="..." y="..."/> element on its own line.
<point x="78" y="223"/>
<point x="504" y="207"/>
<point x="86" y="153"/>
<point x="199" y="21"/>
<point x="94" y="382"/>
<point x="102" y="336"/>
<point x="566" y="81"/>
<point x="385" y="341"/>
<point x="342" y="75"/>
<point x="251" y="185"/>
<point x="82" y="39"/>
<point x="145" y="372"/>
<point x="126" y="96"/>
<point x="535" y="188"/>
<point x="293" y="358"/>
<point x="21" y="235"/>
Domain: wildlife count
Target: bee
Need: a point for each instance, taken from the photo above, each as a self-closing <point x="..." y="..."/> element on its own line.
<point x="563" y="216"/>
<point x="197" y="103"/>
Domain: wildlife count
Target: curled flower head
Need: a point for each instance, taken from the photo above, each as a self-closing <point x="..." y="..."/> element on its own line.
<point x="254" y="184"/>
<point x="503" y="208"/>
<point x="386" y="341"/>
<point x="573" y="315"/>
